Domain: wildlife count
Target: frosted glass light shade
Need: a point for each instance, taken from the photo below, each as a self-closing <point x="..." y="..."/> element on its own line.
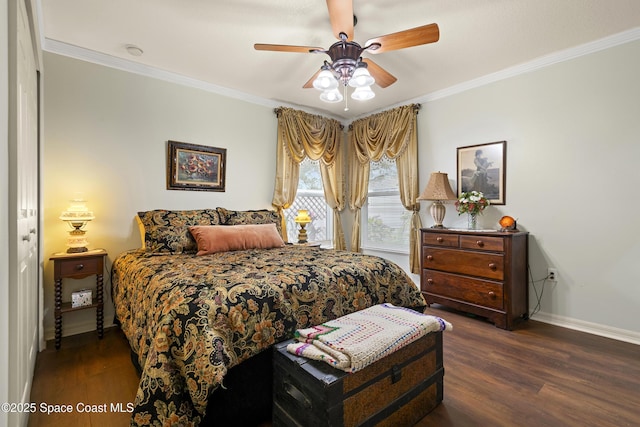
<point x="332" y="95"/>
<point x="361" y="78"/>
<point x="77" y="212"/>
<point x="362" y="93"/>
<point x="77" y="215"/>
<point x="325" y="81"/>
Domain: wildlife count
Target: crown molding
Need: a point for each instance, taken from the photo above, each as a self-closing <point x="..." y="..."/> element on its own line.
<point x="99" y="58"/>
<point x="77" y="52"/>
<point x="87" y="55"/>
<point x="536" y="64"/>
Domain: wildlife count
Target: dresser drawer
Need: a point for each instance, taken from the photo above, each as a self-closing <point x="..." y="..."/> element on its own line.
<point x="484" y="273"/>
<point x="435" y="239"/>
<point x="485" y="243"/>
<point x="475" y="291"/>
<point x="83" y="267"/>
<point x="473" y="263"/>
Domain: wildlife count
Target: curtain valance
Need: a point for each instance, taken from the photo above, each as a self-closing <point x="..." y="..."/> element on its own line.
<point x="302" y="135"/>
<point x="393" y="134"/>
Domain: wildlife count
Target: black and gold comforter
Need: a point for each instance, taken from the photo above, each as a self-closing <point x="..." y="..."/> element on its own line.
<point x="191" y="318"/>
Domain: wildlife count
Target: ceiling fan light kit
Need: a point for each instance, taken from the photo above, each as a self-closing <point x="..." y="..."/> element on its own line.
<point x="363" y="93"/>
<point x="347" y="66"/>
<point x="325" y="80"/>
<point x="332" y="95"/>
<point x="361" y="76"/>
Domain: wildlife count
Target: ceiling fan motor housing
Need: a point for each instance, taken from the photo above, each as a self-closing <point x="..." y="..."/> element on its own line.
<point x="344" y="57"/>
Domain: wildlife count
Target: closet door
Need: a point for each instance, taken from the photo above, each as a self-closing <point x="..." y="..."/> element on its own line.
<point x="23" y="191"/>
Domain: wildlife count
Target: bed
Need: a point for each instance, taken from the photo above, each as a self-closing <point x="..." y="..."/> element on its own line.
<point x="194" y="321"/>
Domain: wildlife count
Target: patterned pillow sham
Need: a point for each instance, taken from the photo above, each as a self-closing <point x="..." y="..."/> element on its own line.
<point x="167" y="231"/>
<point x="262" y="216"/>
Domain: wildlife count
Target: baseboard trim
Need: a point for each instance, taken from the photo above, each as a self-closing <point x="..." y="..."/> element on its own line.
<point x="618" y="334"/>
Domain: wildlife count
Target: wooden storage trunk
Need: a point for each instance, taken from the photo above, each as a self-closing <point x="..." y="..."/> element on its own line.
<point x="397" y="390"/>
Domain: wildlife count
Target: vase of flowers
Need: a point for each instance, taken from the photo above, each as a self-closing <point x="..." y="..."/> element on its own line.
<point x="472" y="203"/>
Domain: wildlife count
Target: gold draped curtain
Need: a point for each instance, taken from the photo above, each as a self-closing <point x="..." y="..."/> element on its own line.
<point x="393" y="134"/>
<point x="302" y="135"/>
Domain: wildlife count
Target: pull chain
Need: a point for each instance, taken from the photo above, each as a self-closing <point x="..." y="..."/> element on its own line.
<point x="346" y="100"/>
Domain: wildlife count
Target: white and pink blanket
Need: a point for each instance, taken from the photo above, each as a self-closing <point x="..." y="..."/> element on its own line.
<point x="358" y="339"/>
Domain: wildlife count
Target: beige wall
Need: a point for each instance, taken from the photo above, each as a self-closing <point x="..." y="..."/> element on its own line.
<point x="572" y="147"/>
<point x="105" y="135"/>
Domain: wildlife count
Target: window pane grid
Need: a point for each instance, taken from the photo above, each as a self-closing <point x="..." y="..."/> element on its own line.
<point x="388" y="223"/>
<point x="310" y="196"/>
<point x="313" y="201"/>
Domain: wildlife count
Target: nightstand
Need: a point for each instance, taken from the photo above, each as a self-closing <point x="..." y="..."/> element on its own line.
<point x="78" y="266"/>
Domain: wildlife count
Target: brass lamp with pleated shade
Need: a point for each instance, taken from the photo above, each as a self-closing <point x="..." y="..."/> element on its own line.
<point x="302" y="219"/>
<point x="438" y="190"/>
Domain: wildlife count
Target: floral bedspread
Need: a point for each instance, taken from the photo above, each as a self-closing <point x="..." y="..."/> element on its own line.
<point x="189" y="319"/>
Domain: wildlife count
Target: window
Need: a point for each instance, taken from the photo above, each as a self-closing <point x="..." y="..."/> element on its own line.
<point x="387" y="222"/>
<point x="310" y="196"/>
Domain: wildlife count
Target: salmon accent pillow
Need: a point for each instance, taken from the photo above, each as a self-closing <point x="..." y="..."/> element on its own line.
<point x="222" y="238"/>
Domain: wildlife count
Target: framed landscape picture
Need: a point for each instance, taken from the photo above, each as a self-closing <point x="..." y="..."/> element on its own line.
<point x="483" y="168"/>
<point x="195" y="167"/>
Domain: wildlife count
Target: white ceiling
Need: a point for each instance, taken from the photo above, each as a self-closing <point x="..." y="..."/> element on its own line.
<point x="211" y="41"/>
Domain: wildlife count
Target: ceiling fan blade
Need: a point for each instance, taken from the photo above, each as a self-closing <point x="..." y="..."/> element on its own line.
<point x="382" y="76"/>
<point x="286" y="48"/>
<point x="341" y="16"/>
<point x="414" y="37"/>
<point x="309" y="84"/>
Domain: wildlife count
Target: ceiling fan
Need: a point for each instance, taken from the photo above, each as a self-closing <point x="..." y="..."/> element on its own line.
<point x="347" y="65"/>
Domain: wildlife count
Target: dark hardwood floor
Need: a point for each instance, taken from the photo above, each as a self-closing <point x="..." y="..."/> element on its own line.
<point x="536" y="375"/>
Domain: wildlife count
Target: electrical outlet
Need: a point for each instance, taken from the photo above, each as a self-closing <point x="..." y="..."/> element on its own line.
<point x="552" y="274"/>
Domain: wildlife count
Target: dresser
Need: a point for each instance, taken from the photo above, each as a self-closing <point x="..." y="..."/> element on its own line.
<point x="484" y="273"/>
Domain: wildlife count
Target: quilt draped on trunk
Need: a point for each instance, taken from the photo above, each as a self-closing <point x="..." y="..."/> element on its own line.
<point x="356" y="340"/>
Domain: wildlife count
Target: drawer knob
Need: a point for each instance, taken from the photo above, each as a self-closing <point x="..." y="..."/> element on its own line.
<point x="430" y="257"/>
<point x="430" y="281"/>
<point x="492" y="294"/>
<point x="492" y="266"/>
<point x="80" y="267"/>
<point x="480" y="243"/>
<point x="439" y="239"/>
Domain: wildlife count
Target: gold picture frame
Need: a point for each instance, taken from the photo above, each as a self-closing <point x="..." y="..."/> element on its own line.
<point x="195" y="167"/>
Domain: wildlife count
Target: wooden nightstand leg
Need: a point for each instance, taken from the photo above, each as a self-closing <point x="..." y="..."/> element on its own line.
<point x="99" y="309"/>
<point x="58" y="314"/>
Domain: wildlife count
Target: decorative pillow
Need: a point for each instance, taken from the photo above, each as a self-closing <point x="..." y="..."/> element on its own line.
<point x="263" y="216"/>
<point x="168" y="231"/>
<point x="222" y="238"/>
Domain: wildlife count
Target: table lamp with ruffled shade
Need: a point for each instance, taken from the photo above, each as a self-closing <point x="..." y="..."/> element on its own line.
<point x="77" y="215"/>
<point x="438" y="190"/>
